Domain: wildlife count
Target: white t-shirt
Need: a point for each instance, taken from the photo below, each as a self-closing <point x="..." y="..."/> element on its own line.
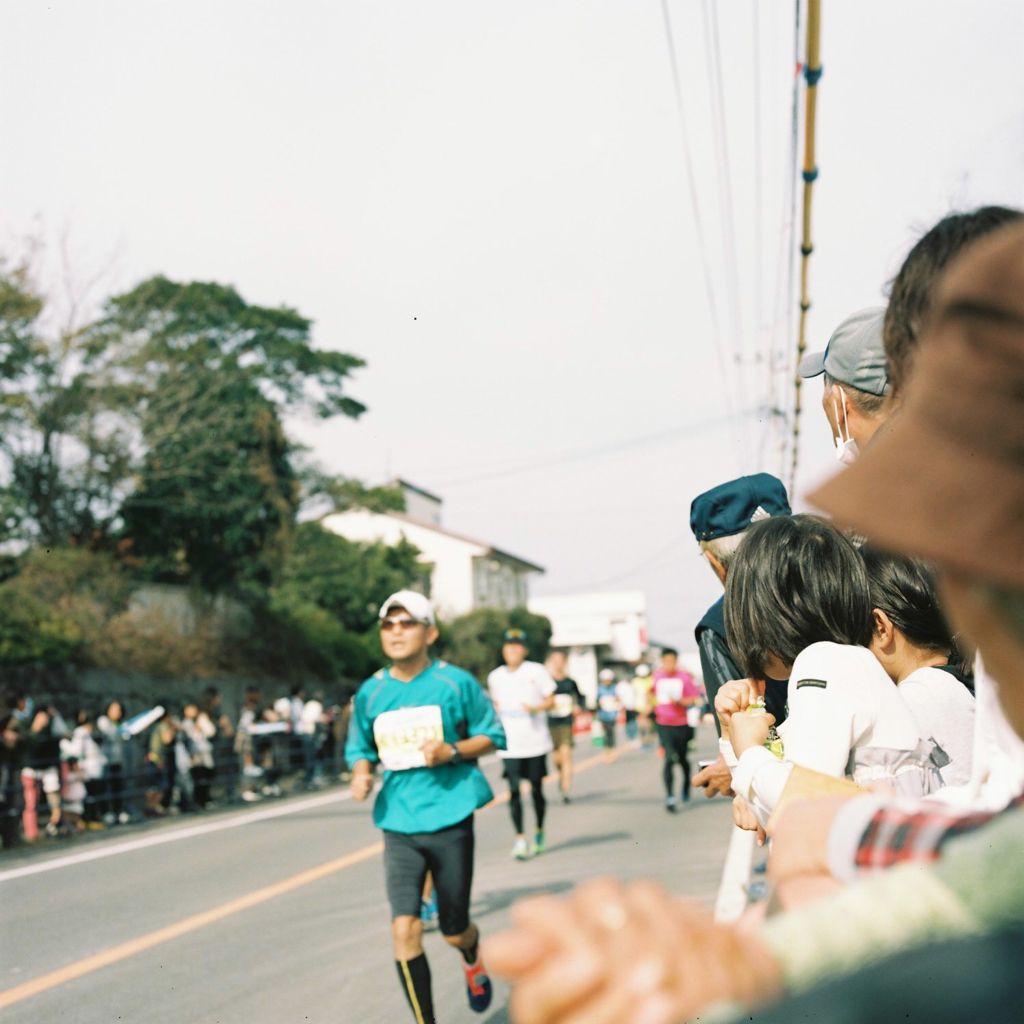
<point x="627" y="695"/>
<point x="526" y="734"/>
<point x="846" y="718"/>
<point x="997" y="773"/>
<point x="944" y="708"/>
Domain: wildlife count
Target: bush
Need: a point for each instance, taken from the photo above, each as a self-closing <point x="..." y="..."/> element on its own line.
<point x="474" y="641"/>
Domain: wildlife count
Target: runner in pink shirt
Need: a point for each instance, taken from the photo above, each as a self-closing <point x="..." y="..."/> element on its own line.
<point x="675" y="691"/>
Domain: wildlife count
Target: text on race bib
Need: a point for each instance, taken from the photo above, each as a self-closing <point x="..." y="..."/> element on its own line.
<point x="400" y="735"/>
<point x="563" y="705"/>
<point x="669" y="691"/>
<point x="608" y="703"/>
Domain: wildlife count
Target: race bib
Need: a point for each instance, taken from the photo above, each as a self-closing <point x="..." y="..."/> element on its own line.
<point x="669" y="691"/>
<point x="608" y="704"/>
<point x="563" y="705"/>
<point x="401" y="734"/>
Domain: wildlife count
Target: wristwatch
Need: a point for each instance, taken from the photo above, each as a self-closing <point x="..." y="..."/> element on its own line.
<point x="456" y="757"/>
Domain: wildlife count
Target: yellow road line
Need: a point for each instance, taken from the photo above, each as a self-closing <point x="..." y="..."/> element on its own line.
<point x="111" y="956"/>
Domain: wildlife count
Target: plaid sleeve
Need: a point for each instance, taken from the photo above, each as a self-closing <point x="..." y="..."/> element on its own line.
<point x="895" y="834"/>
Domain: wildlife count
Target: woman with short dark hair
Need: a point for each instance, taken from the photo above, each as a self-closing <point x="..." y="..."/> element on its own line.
<point x="798" y="606"/>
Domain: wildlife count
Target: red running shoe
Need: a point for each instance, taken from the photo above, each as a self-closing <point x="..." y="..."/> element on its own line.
<point x="478" y="985"/>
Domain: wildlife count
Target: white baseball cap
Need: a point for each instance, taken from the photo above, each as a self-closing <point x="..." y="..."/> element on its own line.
<point x="606" y="674"/>
<point x="643" y="670"/>
<point x="415" y="604"/>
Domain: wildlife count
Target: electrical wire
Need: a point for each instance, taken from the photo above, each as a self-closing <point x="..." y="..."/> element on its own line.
<point x="601" y="451"/>
<point x="716" y="326"/>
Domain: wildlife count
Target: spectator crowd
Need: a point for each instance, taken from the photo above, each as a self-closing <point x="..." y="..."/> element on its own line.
<point x="867" y="677"/>
<point x="63" y="773"/>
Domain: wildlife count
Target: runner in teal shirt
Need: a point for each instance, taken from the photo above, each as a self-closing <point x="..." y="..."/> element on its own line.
<point x="425" y="799"/>
<point x="426" y="723"/>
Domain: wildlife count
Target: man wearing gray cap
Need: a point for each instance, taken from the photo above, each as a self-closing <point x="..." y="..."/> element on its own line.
<point x="856" y="384"/>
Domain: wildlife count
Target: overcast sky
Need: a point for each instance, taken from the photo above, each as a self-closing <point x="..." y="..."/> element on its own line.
<point x="489" y="203"/>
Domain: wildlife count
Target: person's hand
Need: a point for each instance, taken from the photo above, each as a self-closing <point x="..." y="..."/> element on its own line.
<point x="436" y="752"/>
<point x="743" y="817"/>
<point x="800" y="835"/>
<point x="735" y="696"/>
<point x="746" y="731"/>
<point x="361" y="785"/>
<point x="566" y="958"/>
<point x="717" y="778"/>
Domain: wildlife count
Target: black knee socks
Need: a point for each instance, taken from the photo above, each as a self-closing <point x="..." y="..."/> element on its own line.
<point x="415" y="978"/>
<point x="539" y="804"/>
<point x="515" y="805"/>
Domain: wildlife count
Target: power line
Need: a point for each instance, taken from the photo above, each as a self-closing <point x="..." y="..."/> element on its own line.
<point x="695" y="206"/>
<point x="601" y="451"/>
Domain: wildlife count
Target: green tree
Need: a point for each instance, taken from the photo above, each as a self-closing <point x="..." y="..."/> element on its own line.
<point x="216" y="494"/>
<point x="474" y="641"/>
<point x="162" y="324"/>
<point x="332" y="588"/>
<point x="64" y="458"/>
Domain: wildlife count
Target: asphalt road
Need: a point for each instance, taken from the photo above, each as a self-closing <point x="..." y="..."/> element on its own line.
<point x="277" y="914"/>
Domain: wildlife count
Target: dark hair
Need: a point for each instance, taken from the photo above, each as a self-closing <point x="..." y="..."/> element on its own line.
<point x="910" y="290"/>
<point x="905" y="589"/>
<point x="669" y="650"/>
<point x="795" y="580"/>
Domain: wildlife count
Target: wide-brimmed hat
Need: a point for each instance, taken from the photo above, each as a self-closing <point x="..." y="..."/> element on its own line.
<point x="945" y="481"/>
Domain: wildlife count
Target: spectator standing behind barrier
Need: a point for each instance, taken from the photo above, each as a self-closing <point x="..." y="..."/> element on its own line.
<point x="856" y="385"/>
<point x="199" y="732"/>
<point x="113" y="742"/>
<point x="958" y="444"/>
<point x="12" y="751"/>
<point x="675" y="692"/>
<point x="797" y="605"/>
<point x="163" y="766"/>
<point x="910" y="293"/>
<point x="82" y="745"/>
<point x="43" y="761"/>
<point x="913" y="643"/>
<point x="311" y="731"/>
<point x="212" y="717"/>
<point x="719" y="518"/>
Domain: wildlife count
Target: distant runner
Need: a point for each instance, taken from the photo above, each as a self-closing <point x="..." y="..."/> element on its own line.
<point x="568" y="701"/>
<point x="426" y="722"/>
<point x="522" y="691"/>
<point x="675" y="693"/>
<point x="608" y="707"/>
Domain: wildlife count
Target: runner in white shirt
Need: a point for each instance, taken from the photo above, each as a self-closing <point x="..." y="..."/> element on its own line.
<point x="797" y="606"/>
<point x="914" y="644"/>
<point x="522" y="692"/>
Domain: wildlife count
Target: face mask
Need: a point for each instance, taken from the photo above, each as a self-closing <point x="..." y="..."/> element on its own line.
<point x="846" y="448"/>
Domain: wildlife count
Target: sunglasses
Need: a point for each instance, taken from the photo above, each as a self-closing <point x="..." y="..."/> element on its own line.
<point x="403" y="623"/>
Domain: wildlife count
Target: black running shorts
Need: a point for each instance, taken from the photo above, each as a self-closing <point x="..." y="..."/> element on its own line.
<point x="533" y="769"/>
<point x="448" y="856"/>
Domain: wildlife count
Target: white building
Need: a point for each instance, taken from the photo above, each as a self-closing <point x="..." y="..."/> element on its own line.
<point x="464" y="573"/>
<point x="596" y="630"/>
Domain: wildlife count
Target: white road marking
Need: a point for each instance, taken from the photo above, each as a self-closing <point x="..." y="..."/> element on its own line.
<point x="174" y="835"/>
<point x="190" y="832"/>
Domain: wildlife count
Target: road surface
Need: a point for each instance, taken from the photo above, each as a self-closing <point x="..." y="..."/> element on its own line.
<point x="277" y="914"/>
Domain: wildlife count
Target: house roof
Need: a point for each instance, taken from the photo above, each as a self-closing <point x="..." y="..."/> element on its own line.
<point x="406" y="486"/>
<point x="489" y="549"/>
